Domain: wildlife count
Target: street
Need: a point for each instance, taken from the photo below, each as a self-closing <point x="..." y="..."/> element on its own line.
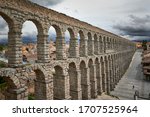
<point x="132" y="81"/>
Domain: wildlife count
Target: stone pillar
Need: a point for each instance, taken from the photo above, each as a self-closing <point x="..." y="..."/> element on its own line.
<point x="44" y="90"/>
<point x="107" y="77"/>
<point x="92" y="43"/>
<point x="14" y="47"/>
<point x="111" y="75"/>
<point x="108" y="45"/>
<point x="93" y="81"/>
<point x="83" y="47"/>
<point x="60" y="48"/>
<point x="115" y="82"/>
<point x="118" y="74"/>
<point x="16" y="94"/>
<point x="74" y="48"/>
<point x="99" y="80"/>
<point x="42" y="49"/>
<point x="76" y="91"/>
<point x="104" y="47"/>
<point x="119" y="68"/>
<point x="85" y="84"/>
<point x="115" y="46"/>
<point x="120" y="45"/>
<point x="112" y="45"/>
<point x="114" y="73"/>
<point x="103" y="77"/>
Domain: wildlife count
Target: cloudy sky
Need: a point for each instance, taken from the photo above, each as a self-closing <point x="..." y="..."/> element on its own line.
<point x="128" y="18"/>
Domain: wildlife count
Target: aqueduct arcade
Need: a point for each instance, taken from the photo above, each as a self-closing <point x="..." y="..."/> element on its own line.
<point x="94" y="63"/>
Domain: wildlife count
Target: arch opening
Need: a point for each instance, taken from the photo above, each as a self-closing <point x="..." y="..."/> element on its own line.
<point x="29" y="41"/>
<point x="105" y="44"/>
<point x="68" y="37"/>
<point x="96" y="45"/>
<point x="98" y="76"/>
<point x="7" y="19"/>
<point x="6" y="84"/>
<point x="5" y="24"/>
<point x="101" y="44"/>
<point x="52" y="42"/>
<point x="82" y="46"/>
<point x="90" y="47"/>
<point x="58" y="91"/>
<point x="3" y="88"/>
<point x="31" y="85"/>
<point x="73" y="81"/>
<point x="36" y="85"/>
<point x="84" y="81"/>
<point x="73" y="41"/>
<point x="92" y="78"/>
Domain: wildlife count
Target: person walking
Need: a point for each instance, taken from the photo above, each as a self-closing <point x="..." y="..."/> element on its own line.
<point x="133" y="87"/>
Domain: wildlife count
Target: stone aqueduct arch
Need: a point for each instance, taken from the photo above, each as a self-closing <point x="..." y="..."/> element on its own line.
<point x="94" y="66"/>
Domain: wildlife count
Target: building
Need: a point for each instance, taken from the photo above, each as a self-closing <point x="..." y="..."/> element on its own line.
<point x="146" y="62"/>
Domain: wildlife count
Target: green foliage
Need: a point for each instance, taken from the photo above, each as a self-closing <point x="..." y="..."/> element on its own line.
<point x="3" y="47"/>
<point x="144" y="42"/>
<point x="2" y="80"/>
<point x="31" y="97"/>
<point x="3" y="84"/>
<point x="2" y="64"/>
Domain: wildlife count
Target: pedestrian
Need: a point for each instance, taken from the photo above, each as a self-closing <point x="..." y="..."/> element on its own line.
<point x="133" y="87"/>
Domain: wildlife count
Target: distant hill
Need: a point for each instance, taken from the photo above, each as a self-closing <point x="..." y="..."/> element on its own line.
<point x="148" y="40"/>
<point x="25" y="40"/>
<point x="3" y="41"/>
<point x="31" y="39"/>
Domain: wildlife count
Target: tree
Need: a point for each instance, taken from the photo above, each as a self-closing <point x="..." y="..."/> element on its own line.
<point x="1" y="48"/>
<point x="144" y="42"/>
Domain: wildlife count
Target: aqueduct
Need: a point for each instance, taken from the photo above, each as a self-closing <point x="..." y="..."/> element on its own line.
<point x="94" y="65"/>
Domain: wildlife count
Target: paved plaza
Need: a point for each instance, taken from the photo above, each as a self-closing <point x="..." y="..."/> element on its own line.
<point x="132" y="81"/>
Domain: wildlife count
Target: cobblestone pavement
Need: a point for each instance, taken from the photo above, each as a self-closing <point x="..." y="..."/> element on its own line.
<point x="132" y="81"/>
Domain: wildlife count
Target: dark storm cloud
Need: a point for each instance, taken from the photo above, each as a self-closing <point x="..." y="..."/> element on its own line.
<point x="136" y="27"/>
<point x="47" y="2"/>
